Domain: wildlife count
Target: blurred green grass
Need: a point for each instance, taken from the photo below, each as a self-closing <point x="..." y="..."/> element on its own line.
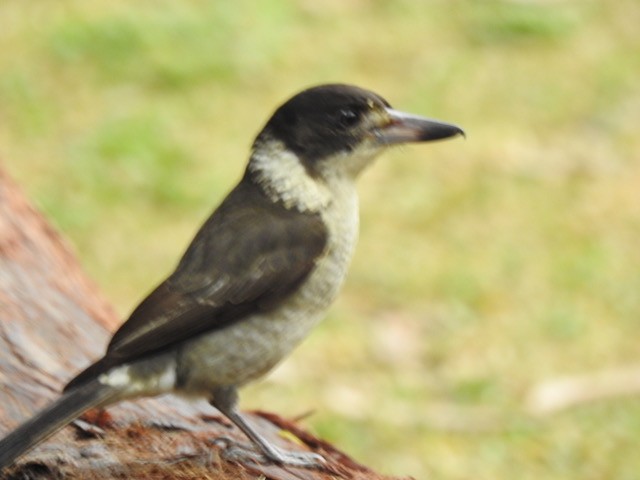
<point x="483" y="267"/>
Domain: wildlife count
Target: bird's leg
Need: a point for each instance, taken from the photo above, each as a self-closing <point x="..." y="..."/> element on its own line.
<point x="226" y="400"/>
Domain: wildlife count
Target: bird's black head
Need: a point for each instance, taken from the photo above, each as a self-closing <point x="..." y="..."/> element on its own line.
<point x="322" y="121"/>
<point x="343" y="120"/>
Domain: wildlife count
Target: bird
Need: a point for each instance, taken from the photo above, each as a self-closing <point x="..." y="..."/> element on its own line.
<point x="259" y="274"/>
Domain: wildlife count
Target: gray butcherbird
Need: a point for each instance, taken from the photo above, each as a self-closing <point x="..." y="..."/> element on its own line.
<point x="259" y="274"/>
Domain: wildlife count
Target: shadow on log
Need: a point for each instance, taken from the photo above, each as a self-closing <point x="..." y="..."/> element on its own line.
<point x="52" y="321"/>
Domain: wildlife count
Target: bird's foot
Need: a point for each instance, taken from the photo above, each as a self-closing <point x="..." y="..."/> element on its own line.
<point x="242" y="452"/>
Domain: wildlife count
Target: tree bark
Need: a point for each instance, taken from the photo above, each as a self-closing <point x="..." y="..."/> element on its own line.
<point x="53" y="322"/>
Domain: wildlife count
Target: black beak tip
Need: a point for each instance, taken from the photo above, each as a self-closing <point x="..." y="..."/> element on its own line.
<point x="442" y="131"/>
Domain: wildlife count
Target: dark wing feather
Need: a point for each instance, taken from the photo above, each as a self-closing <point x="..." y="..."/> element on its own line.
<point x="249" y="255"/>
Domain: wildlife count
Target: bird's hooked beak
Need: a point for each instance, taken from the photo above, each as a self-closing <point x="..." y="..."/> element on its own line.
<point x="407" y="128"/>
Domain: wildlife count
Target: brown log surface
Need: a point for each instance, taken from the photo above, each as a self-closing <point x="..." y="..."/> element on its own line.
<point x="53" y="322"/>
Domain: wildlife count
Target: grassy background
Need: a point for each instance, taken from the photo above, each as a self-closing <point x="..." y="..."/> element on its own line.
<point x="484" y="266"/>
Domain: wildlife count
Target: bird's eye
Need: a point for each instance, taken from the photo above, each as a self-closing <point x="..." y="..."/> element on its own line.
<point x="348" y="117"/>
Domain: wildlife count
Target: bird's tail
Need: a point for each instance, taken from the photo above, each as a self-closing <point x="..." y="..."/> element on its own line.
<point x="67" y="408"/>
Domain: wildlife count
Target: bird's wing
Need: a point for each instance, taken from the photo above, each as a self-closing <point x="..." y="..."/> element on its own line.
<point x="250" y="254"/>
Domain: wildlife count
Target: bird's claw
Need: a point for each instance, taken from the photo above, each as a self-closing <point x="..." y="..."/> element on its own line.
<point x="240" y="453"/>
